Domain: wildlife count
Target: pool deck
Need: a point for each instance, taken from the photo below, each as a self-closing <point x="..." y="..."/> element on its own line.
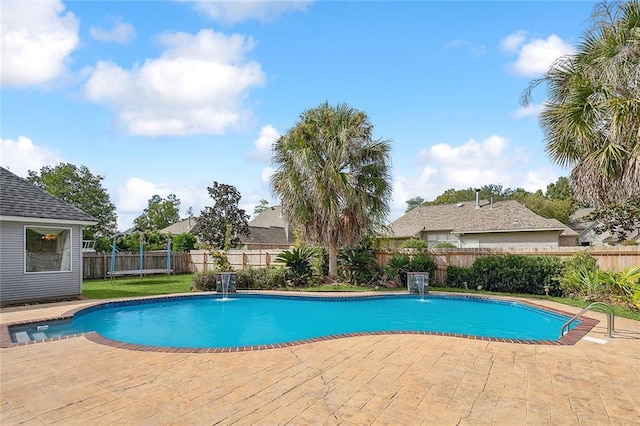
<point x="373" y="379"/>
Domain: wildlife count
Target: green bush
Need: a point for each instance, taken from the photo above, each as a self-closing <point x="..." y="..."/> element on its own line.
<point x="444" y="245"/>
<point x="422" y="262"/>
<point x="204" y="281"/>
<point x="358" y="265"/>
<point x="184" y="242"/>
<point x="413" y="243"/>
<point x="269" y="278"/>
<point x="518" y="274"/>
<point x="221" y="261"/>
<point x="298" y="263"/>
<point x="397" y="267"/>
<point x="458" y="277"/>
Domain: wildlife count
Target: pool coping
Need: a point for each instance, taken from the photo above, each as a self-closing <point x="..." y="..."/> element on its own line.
<point x="570" y="338"/>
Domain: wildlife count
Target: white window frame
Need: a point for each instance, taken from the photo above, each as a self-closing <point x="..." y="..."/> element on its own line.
<point x="57" y="228"/>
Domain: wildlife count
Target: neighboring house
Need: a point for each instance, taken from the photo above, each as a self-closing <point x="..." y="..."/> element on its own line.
<point x="189" y="225"/>
<point x="479" y="225"/>
<point x="587" y="234"/>
<point x="268" y="230"/>
<point x="40" y="243"/>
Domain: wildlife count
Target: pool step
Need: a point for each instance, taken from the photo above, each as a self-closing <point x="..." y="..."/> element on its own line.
<point x="22" y="336"/>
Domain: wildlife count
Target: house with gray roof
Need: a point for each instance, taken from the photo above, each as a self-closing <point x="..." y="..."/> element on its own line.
<point x="479" y="224"/>
<point x="268" y="230"/>
<point x="41" y="243"/>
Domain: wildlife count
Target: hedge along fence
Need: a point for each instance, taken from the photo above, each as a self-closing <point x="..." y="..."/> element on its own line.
<point x="97" y="264"/>
<point x="614" y="259"/>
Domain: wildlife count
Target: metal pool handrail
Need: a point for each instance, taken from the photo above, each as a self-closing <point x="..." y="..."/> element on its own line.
<point x="608" y="310"/>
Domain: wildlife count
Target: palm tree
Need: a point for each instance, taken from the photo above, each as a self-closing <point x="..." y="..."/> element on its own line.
<point x="591" y="119"/>
<point x="332" y="177"/>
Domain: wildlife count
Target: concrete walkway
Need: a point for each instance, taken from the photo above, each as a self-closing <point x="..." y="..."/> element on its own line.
<point x="385" y="380"/>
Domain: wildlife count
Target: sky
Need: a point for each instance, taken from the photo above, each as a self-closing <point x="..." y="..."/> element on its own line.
<point x="166" y="97"/>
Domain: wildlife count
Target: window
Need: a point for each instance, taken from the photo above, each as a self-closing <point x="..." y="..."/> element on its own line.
<point x="47" y="249"/>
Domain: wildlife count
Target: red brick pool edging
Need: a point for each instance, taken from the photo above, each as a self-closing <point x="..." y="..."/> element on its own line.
<point x="570" y="338"/>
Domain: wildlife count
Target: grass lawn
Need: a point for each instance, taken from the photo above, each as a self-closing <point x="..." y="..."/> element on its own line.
<point x="136" y="287"/>
<point x="161" y="284"/>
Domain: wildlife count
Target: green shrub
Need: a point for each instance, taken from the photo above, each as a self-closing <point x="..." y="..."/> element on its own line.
<point x="204" y="281"/>
<point x="298" y="263"/>
<point x="319" y="265"/>
<point x="413" y="243"/>
<point x="458" y="277"/>
<point x="518" y="274"/>
<point x="269" y="278"/>
<point x="221" y="261"/>
<point x="422" y="262"/>
<point x="444" y="245"/>
<point x="184" y="242"/>
<point x="580" y="274"/>
<point x="358" y="265"/>
<point x="397" y="267"/>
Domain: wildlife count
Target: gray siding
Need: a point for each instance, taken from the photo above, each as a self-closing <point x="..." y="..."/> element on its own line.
<point x="511" y="239"/>
<point x="15" y="285"/>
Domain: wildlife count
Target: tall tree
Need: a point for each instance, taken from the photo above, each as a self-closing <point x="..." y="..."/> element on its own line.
<point x="160" y="213"/>
<point x="81" y="188"/>
<point x="560" y="190"/>
<point x="332" y="177"/>
<point x="222" y="224"/>
<point x="414" y="202"/>
<point x="591" y="119"/>
<point x="262" y="206"/>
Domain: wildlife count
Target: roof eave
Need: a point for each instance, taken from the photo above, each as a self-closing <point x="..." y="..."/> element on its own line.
<point x="48" y="220"/>
<point x="492" y="231"/>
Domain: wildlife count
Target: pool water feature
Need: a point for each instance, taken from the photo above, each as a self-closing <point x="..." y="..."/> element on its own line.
<point x="199" y="322"/>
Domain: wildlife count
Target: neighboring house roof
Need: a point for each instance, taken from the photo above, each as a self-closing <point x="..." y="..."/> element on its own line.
<point x="465" y="218"/>
<point x="269" y="227"/>
<point x="21" y="200"/>
<point x="271" y="217"/>
<point x="577" y="219"/>
<point x="273" y="235"/>
<point x="188" y="225"/>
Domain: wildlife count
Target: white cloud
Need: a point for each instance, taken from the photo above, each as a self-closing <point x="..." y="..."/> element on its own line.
<point x="474" y="49"/>
<point x="514" y="41"/>
<point x="232" y="12"/>
<point x="532" y="110"/>
<point x="122" y="32"/>
<point x="22" y="155"/>
<point x="470" y="165"/>
<point x="536" y="56"/>
<point x="133" y="197"/>
<point x="37" y="39"/>
<point x="265" y="176"/>
<point x="268" y="135"/>
<point x="196" y="86"/>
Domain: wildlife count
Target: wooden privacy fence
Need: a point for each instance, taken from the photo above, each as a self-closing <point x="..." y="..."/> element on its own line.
<point x="609" y="258"/>
<point x="97" y="264"/>
<point x="202" y="260"/>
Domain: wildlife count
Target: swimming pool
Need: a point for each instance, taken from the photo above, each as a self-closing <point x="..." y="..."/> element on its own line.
<point x="249" y="320"/>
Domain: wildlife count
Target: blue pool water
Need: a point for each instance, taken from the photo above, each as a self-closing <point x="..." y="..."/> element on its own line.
<point x="207" y="322"/>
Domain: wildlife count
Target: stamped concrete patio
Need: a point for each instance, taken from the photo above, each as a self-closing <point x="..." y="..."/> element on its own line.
<point x="374" y="379"/>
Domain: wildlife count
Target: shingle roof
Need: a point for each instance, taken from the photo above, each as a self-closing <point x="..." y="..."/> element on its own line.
<point x="259" y="235"/>
<point x="19" y="198"/>
<point x="466" y="218"/>
<point x="271" y="217"/>
<point x="188" y="225"/>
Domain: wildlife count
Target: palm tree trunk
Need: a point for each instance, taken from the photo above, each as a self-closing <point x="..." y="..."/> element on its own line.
<point x="333" y="260"/>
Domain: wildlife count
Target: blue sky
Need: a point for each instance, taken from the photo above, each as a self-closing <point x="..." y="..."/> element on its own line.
<point x="163" y="97"/>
